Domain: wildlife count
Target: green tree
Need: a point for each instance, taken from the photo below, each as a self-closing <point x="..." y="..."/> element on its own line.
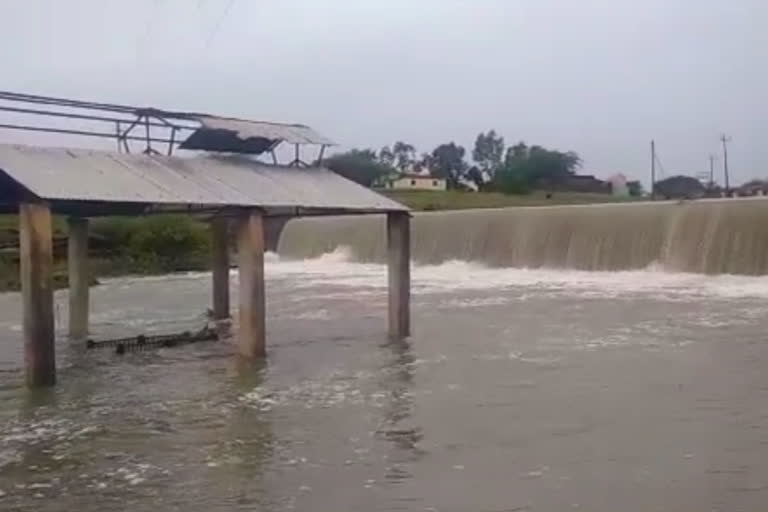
<point x="386" y="156"/>
<point x="512" y="180"/>
<point x="404" y="154"/>
<point x="360" y="166"/>
<point x="448" y="163"/>
<point x="488" y="152"/>
<point x="516" y="153"/>
<point x="527" y="167"/>
<point x="635" y="188"/>
<point x="547" y="168"/>
<point x="476" y="176"/>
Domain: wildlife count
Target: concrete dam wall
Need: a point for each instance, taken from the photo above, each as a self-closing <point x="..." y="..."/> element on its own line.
<point x="705" y="236"/>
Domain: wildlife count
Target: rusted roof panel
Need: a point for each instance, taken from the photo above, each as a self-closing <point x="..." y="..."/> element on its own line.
<point x="291" y="133"/>
<point x="217" y="181"/>
<point x="239" y="135"/>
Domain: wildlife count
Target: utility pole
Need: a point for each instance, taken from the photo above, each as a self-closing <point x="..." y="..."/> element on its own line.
<point x="712" y="171"/>
<point x="725" y="140"/>
<point x="653" y="170"/>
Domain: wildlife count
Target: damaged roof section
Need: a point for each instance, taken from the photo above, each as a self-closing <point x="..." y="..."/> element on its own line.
<point x="155" y="128"/>
<point x="97" y="183"/>
<point x="252" y="137"/>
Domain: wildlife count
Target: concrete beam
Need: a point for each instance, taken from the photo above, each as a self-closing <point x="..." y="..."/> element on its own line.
<point x="36" y="254"/>
<point x="251" y="336"/>
<point x="399" y="270"/>
<point x="79" y="277"/>
<point x="220" y="267"/>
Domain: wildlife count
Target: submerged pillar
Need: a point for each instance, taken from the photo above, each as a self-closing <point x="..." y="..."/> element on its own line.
<point x="250" y="254"/>
<point x="220" y="264"/>
<point x="79" y="277"/>
<point x="36" y="262"/>
<point x="399" y="270"/>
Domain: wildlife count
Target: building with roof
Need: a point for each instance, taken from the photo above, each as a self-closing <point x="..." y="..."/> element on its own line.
<point x="753" y="188"/>
<point x="412" y="181"/>
<point x="219" y="180"/>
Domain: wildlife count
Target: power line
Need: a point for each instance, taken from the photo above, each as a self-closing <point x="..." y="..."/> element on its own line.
<point x="662" y="172"/>
<point x="219" y="22"/>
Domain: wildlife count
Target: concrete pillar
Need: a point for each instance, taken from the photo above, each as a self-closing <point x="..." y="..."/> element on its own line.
<point x="399" y="269"/>
<point x="250" y="253"/>
<point x="220" y="264"/>
<point x="36" y="259"/>
<point x="79" y="277"/>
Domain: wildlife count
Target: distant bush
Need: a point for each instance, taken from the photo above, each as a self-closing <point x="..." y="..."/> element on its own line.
<point x="116" y="232"/>
<point x="162" y="243"/>
<point x="169" y="236"/>
<point x="358" y="166"/>
<point x="511" y="183"/>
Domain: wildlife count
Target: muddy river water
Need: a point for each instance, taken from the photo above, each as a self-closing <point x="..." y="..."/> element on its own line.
<point x="520" y="390"/>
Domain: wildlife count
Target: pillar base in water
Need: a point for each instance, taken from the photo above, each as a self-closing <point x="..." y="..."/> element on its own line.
<point x="37" y="293"/>
<point x="79" y="278"/>
<point x="251" y="336"/>
<point x="399" y="271"/>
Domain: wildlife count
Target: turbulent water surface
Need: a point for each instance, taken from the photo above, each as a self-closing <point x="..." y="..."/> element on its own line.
<point x="524" y="390"/>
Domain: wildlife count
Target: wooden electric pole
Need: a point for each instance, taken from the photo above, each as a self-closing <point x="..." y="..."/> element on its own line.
<point x="653" y="170"/>
<point x="712" y="171"/>
<point x="725" y="140"/>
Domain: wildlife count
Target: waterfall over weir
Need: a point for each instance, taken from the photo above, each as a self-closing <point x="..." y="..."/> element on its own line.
<point x="705" y="236"/>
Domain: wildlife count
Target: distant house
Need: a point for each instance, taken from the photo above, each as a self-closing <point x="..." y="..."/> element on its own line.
<point x="619" y="185"/>
<point x="679" y="187"/>
<point x="412" y="181"/>
<point x="583" y="183"/>
<point x="753" y="188"/>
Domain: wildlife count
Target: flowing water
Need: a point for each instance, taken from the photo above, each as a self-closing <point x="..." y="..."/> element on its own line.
<point x="522" y="389"/>
<point x="710" y="236"/>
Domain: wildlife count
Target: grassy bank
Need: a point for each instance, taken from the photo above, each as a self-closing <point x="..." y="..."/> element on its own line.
<point x="459" y="200"/>
<point x="118" y="246"/>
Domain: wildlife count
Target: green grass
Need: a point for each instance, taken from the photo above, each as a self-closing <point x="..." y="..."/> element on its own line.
<point x="138" y="245"/>
<point x="460" y="200"/>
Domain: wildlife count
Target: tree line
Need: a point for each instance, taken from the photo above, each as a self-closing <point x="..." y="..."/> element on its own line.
<point x="494" y="167"/>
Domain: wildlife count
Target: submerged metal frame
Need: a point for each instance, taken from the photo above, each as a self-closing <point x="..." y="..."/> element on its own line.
<point x="175" y="126"/>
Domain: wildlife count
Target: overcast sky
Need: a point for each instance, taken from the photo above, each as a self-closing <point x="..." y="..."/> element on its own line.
<point x="600" y="77"/>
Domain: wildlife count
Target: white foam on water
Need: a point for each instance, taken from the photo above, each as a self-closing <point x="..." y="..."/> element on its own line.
<point x="55" y="434"/>
<point x="460" y="303"/>
<point x="319" y="314"/>
<point x="339" y="388"/>
<point x="337" y="269"/>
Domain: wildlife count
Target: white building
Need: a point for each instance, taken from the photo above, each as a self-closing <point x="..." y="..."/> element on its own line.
<point x="412" y="181"/>
<point x="619" y="185"/>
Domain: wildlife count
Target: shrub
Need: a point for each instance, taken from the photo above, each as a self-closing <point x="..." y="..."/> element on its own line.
<point x="169" y="236"/>
<point x="156" y="244"/>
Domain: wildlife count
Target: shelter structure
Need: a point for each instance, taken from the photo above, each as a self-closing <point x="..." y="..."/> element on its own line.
<point x="221" y="180"/>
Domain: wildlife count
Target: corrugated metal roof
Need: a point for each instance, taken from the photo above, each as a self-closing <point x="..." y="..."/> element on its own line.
<point x="216" y="181"/>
